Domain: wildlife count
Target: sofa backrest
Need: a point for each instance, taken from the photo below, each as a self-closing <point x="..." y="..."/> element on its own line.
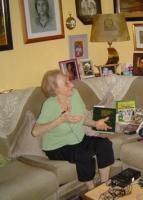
<point x="89" y="97"/>
<point x="135" y="92"/>
<point x="36" y="99"/>
<point x="33" y="104"/>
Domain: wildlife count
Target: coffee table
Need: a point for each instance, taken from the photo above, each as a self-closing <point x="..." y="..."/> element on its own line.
<point x="94" y="194"/>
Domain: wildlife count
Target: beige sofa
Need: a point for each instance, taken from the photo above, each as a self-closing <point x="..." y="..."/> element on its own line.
<point x="28" y="174"/>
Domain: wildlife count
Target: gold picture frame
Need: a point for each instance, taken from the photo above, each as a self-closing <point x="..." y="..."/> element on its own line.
<point x="138" y="36"/>
<point x="132" y="9"/>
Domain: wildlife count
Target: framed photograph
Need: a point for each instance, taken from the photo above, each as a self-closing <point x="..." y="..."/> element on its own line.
<point x="86" y="10"/>
<point x="78" y="46"/>
<point x="70" y="68"/>
<point x="86" y="68"/>
<point x="5" y="26"/>
<point x="43" y="20"/>
<point x="132" y="9"/>
<point x="106" y="70"/>
<point x="138" y="64"/>
<point x="138" y="36"/>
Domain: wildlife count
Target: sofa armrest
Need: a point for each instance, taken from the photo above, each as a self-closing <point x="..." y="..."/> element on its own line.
<point x="60" y="168"/>
<point x="42" y="162"/>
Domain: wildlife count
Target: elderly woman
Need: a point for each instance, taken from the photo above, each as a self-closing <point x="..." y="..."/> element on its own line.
<point x="61" y="125"/>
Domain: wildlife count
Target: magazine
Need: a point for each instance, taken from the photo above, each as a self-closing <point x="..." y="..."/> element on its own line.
<point x="100" y="112"/>
<point x="125" y="111"/>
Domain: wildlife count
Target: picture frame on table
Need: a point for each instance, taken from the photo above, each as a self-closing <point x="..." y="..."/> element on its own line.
<point x="35" y="27"/>
<point x="132" y="9"/>
<point x="138" y="36"/>
<point x="86" y="10"/>
<point x="86" y="68"/>
<point x="78" y="46"/>
<point x="137" y="64"/>
<point x="107" y="70"/>
<point x="70" y="68"/>
<point x="6" y="42"/>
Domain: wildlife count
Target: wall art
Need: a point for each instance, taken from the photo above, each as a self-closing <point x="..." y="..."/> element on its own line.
<point x="42" y="20"/>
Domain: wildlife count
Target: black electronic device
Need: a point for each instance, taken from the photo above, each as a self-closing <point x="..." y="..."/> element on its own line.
<point x="124" y="178"/>
<point x="141" y="132"/>
<point x="140" y="182"/>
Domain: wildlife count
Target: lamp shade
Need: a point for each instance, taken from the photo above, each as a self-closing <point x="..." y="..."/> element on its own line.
<point x="109" y="28"/>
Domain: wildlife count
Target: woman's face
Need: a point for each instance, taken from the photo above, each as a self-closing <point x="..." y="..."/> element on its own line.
<point x="69" y="67"/>
<point x="64" y="86"/>
<point x="141" y="63"/>
<point x="42" y="7"/>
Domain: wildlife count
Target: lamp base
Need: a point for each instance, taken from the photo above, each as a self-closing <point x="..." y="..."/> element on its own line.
<point x="113" y="57"/>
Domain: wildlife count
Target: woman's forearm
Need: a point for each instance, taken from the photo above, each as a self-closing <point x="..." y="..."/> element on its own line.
<point x="90" y="123"/>
<point x="40" y="129"/>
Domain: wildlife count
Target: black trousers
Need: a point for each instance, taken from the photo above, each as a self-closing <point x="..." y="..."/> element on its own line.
<point x="82" y="155"/>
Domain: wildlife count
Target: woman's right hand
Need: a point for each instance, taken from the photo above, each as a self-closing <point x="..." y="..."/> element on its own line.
<point x="67" y="117"/>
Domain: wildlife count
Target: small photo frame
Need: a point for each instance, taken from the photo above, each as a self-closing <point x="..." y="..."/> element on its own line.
<point x="107" y="70"/>
<point x="137" y="64"/>
<point x="42" y="20"/>
<point x="132" y="9"/>
<point x="86" y="68"/>
<point x="138" y="36"/>
<point x="70" y="68"/>
<point x="78" y="46"/>
<point x="86" y="10"/>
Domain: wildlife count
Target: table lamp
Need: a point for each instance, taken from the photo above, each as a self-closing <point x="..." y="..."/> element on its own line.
<point x="110" y="28"/>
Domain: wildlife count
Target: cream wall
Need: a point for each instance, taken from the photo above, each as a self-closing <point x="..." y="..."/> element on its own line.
<point x="25" y="65"/>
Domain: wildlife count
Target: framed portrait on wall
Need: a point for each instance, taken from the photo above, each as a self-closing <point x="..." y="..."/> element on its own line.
<point x="138" y="64"/>
<point x="42" y="20"/>
<point x="138" y="36"/>
<point x="132" y="9"/>
<point x="78" y="46"/>
<point x="86" y="68"/>
<point x="70" y="68"/>
<point x="87" y="9"/>
<point x="5" y="26"/>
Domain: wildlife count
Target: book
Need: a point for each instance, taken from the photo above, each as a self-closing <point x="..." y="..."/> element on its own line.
<point x="125" y="111"/>
<point x="131" y="129"/>
<point x="101" y="112"/>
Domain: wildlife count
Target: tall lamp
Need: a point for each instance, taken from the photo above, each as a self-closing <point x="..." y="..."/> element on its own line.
<point x="110" y="28"/>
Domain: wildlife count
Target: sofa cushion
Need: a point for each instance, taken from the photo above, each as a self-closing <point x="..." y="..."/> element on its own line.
<point x="131" y="154"/>
<point x="25" y="143"/>
<point x="19" y="181"/>
<point x="64" y="170"/>
<point x="118" y="139"/>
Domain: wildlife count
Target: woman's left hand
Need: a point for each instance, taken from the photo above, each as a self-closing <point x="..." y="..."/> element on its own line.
<point x="101" y="124"/>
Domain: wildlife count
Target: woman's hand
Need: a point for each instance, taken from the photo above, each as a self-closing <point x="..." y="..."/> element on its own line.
<point x="67" y="117"/>
<point x="101" y="124"/>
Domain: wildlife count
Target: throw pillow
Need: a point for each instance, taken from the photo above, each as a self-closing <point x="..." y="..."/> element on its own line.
<point x="26" y="144"/>
<point x="3" y="160"/>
